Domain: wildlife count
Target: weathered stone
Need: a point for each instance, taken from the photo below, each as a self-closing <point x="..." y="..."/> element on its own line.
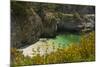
<point x="25" y="30"/>
<point x="27" y="25"/>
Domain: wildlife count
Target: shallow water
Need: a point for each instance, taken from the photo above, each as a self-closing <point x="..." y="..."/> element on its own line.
<point x="63" y="40"/>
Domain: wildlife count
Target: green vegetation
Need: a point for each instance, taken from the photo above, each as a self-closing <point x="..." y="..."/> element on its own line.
<point x="85" y="51"/>
<point x="31" y="18"/>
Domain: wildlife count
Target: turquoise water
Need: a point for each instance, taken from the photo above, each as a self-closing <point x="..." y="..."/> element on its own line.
<point x="65" y="39"/>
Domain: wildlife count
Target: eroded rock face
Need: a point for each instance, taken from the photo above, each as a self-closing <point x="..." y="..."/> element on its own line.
<point x="49" y="26"/>
<point x="27" y="26"/>
<point x="78" y="24"/>
<point x="25" y="29"/>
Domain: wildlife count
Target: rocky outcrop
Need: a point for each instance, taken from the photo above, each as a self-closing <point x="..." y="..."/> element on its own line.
<point x="26" y="28"/>
<point x="76" y="23"/>
<point x="49" y="25"/>
<point x="28" y="24"/>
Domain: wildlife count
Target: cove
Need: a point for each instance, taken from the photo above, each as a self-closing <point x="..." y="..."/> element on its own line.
<point x="63" y="40"/>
